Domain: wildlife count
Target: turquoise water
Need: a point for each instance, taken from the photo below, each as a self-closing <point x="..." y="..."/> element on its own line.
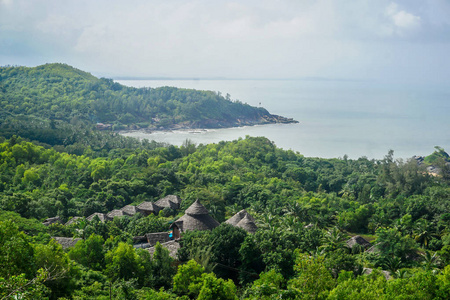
<point x="336" y="117"/>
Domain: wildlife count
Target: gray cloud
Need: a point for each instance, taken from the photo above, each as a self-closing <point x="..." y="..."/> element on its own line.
<point x="382" y="40"/>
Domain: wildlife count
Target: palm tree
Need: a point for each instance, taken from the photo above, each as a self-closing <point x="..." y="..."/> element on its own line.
<point x="216" y="212"/>
<point x="269" y="220"/>
<point x="422" y="232"/>
<point x="80" y="226"/>
<point x="292" y="223"/>
<point x="429" y="261"/>
<point x="235" y="208"/>
<point x="333" y="240"/>
<point x="348" y="191"/>
<point x="392" y="264"/>
<point x="204" y="258"/>
<point x="296" y="210"/>
<point x="401" y="274"/>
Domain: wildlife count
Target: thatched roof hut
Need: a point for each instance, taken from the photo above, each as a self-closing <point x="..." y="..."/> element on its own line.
<point x="103" y="217"/>
<point x="153" y="238"/>
<point x="358" y="240"/>
<point x="149" y="208"/>
<point x="172" y="246"/>
<point x="173" y="198"/>
<point x="53" y="220"/>
<point x="247" y="224"/>
<point x="170" y="201"/>
<point x="130" y="210"/>
<point x="73" y="220"/>
<point x="196" y="209"/>
<point x="196" y="218"/>
<point x="243" y="220"/>
<point x="116" y="213"/>
<point x="234" y="220"/>
<point x="66" y="242"/>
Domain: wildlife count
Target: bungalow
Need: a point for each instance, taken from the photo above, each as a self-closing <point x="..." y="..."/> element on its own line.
<point x="196" y="217"/>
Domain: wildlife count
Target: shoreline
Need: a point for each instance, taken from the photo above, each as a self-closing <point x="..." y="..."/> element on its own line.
<point x="179" y="127"/>
<point x="194" y="130"/>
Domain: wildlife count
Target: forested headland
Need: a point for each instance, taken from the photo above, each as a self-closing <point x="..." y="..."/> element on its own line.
<point x="306" y="210"/>
<point x="61" y="92"/>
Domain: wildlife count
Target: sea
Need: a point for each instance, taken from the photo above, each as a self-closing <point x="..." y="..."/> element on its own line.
<point x="336" y="117"/>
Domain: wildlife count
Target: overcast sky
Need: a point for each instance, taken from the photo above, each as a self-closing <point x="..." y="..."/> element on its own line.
<point x="407" y="41"/>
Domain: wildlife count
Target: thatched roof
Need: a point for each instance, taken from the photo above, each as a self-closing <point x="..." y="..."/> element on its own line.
<point x="234" y="220"/>
<point x="149" y="207"/>
<point x="53" y="220"/>
<point x="66" y="242"/>
<point x="153" y="238"/>
<point x="358" y="240"/>
<point x="116" y="213"/>
<point x="196" y="218"/>
<point x="172" y="246"/>
<point x="103" y="217"/>
<point x="73" y="220"/>
<point x="168" y="202"/>
<point x="247" y="224"/>
<point x="130" y="209"/>
<point x="195" y="222"/>
<point x="173" y="198"/>
<point x="196" y="209"/>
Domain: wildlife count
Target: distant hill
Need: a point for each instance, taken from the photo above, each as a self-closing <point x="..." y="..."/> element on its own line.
<point x="61" y="92"/>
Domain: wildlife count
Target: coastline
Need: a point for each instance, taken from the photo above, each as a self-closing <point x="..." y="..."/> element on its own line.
<point x="210" y="125"/>
<point x="194" y="130"/>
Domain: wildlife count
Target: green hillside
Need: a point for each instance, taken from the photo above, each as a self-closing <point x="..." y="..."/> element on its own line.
<point x="61" y="92"/>
<point x="305" y="209"/>
<point x="310" y="215"/>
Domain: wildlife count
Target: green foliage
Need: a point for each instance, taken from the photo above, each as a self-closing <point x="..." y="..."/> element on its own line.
<point x="226" y="242"/>
<point x="437" y="155"/>
<point x="15" y="252"/>
<point x="269" y="286"/>
<point x="162" y="266"/>
<point x="32" y="227"/>
<point x="340" y="260"/>
<point x="192" y="281"/>
<point x="89" y="252"/>
<point x="187" y="277"/>
<point x="19" y="287"/>
<point x="123" y="262"/>
<point x="157" y="295"/>
<point x="369" y="287"/>
<point x="91" y="285"/>
<point x="392" y="244"/>
<point x="403" y="208"/>
<point x="60" y="269"/>
<point x="61" y="92"/>
<point x="276" y="249"/>
<point x="313" y="280"/>
<point x="216" y="288"/>
<point x="145" y="225"/>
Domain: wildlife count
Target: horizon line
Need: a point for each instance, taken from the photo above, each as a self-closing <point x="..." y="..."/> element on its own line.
<point x="233" y="78"/>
